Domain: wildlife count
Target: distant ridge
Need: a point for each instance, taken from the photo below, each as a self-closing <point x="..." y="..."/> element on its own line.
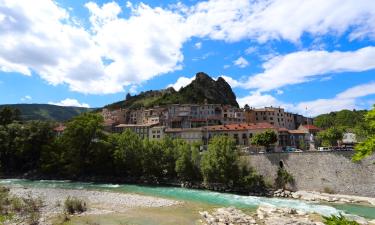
<point x="47" y="112"/>
<point x="202" y="89"/>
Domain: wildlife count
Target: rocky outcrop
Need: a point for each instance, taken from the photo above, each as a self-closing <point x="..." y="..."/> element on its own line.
<point x="201" y="90"/>
<point x="265" y="214"/>
<point x="323" y="197"/>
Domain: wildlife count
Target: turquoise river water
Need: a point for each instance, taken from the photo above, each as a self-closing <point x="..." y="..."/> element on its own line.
<point x="201" y="196"/>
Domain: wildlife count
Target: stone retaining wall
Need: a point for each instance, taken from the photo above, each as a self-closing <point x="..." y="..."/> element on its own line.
<point x="320" y="171"/>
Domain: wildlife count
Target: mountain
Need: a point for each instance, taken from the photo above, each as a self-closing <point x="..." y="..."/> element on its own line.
<point x="47" y="112"/>
<point x="202" y="89"/>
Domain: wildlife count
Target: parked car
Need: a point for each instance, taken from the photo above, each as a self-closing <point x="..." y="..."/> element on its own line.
<point x="322" y="149"/>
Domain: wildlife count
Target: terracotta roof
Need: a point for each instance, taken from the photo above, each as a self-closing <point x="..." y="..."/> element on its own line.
<point x="242" y="126"/>
<point x="136" y="125"/>
<point x="60" y="128"/>
<point x="311" y="127"/>
<point x="172" y="130"/>
<point x="297" y="132"/>
<point x="283" y="129"/>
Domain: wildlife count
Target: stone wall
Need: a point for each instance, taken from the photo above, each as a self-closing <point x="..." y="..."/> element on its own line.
<point x="316" y="171"/>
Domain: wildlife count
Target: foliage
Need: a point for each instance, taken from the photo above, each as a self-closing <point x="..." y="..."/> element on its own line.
<point x="74" y="205"/>
<point x="344" y="118"/>
<point x="330" y="136"/>
<point x="219" y="163"/>
<point x="46" y="112"/>
<point x="338" y="220"/>
<point x="249" y="180"/>
<point x="8" y="115"/>
<point x="15" y="209"/>
<point x="127" y="153"/>
<point x="265" y="138"/>
<point x="187" y="163"/>
<point x="283" y="178"/>
<point x="85" y="150"/>
<point x="367" y="147"/>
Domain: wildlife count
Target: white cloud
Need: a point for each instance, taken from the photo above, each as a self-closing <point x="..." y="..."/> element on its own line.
<point x="251" y="50"/>
<point x="272" y="19"/>
<point x="226" y="66"/>
<point x="181" y="82"/>
<point x="70" y="102"/>
<point x="279" y="92"/>
<point x="26" y="98"/>
<point x="241" y="62"/>
<point x="348" y="99"/>
<point x="258" y="100"/>
<point x="232" y="82"/>
<point x="114" y="52"/>
<point x="198" y="45"/>
<point x="302" y="66"/>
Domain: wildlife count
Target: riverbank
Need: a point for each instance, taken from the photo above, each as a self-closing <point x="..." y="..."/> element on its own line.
<point x="99" y="202"/>
<point x="268" y="215"/>
<point x="313" y="196"/>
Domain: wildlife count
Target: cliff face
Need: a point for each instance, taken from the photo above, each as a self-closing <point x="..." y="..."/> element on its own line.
<point x="203" y="88"/>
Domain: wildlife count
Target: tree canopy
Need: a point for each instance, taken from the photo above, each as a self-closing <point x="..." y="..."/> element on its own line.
<point x="367" y="147"/>
<point x="265" y="138"/>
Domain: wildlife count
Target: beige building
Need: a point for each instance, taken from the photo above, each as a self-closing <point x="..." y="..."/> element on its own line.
<point x="143" y="130"/>
<point x="190" y="135"/>
<point x="156" y="133"/>
<point x="275" y="116"/>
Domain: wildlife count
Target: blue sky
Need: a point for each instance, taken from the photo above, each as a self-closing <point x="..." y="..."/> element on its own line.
<point x="309" y="56"/>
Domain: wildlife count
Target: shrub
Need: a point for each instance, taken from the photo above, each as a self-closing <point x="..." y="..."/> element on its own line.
<point x="338" y="220"/>
<point x="25" y="209"/>
<point x="74" y="205"/>
<point x="283" y="178"/>
<point x="328" y="190"/>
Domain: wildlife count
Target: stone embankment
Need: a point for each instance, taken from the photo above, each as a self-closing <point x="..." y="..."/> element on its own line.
<point x="265" y="215"/>
<point x="324" y="197"/>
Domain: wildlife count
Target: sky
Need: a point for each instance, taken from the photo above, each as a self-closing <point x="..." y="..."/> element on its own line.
<point x="308" y="56"/>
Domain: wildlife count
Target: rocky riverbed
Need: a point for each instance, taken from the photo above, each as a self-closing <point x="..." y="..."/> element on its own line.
<point x="99" y="202"/>
<point x="266" y="215"/>
<point x="324" y="197"/>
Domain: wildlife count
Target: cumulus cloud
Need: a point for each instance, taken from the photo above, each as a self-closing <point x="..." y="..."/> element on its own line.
<point x="302" y="66"/>
<point x="70" y="102"/>
<point x="198" y="45"/>
<point x="241" y="62"/>
<point x="348" y="99"/>
<point x="113" y="52"/>
<point x="181" y="82"/>
<point x="26" y="98"/>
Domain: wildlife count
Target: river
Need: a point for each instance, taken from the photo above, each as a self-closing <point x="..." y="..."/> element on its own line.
<point x="197" y="200"/>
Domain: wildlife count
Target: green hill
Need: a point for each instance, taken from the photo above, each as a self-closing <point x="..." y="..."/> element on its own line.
<point x="202" y="89"/>
<point x="343" y="118"/>
<point x="47" y="112"/>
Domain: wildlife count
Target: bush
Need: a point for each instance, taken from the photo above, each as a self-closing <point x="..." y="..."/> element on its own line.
<point x="328" y="190"/>
<point x="283" y="178"/>
<point x="338" y="220"/>
<point x="15" y="208"/>
<point x="74" y="205"/>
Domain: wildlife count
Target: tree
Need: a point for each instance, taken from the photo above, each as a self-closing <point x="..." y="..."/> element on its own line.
<point x="220" y="162"/>
<point x="302" y="144"/>
<point x="367" y="147"/>
<point x="265" y="138"/>
<point x="283" y="178"/>
<point x="82" y="139"/>
<point x="330" y="136"/>
<point x="8" y="115"/>
<point x="128" y="153"/>
<point x="152" y="160"/>
<point x="184" y="164"/>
